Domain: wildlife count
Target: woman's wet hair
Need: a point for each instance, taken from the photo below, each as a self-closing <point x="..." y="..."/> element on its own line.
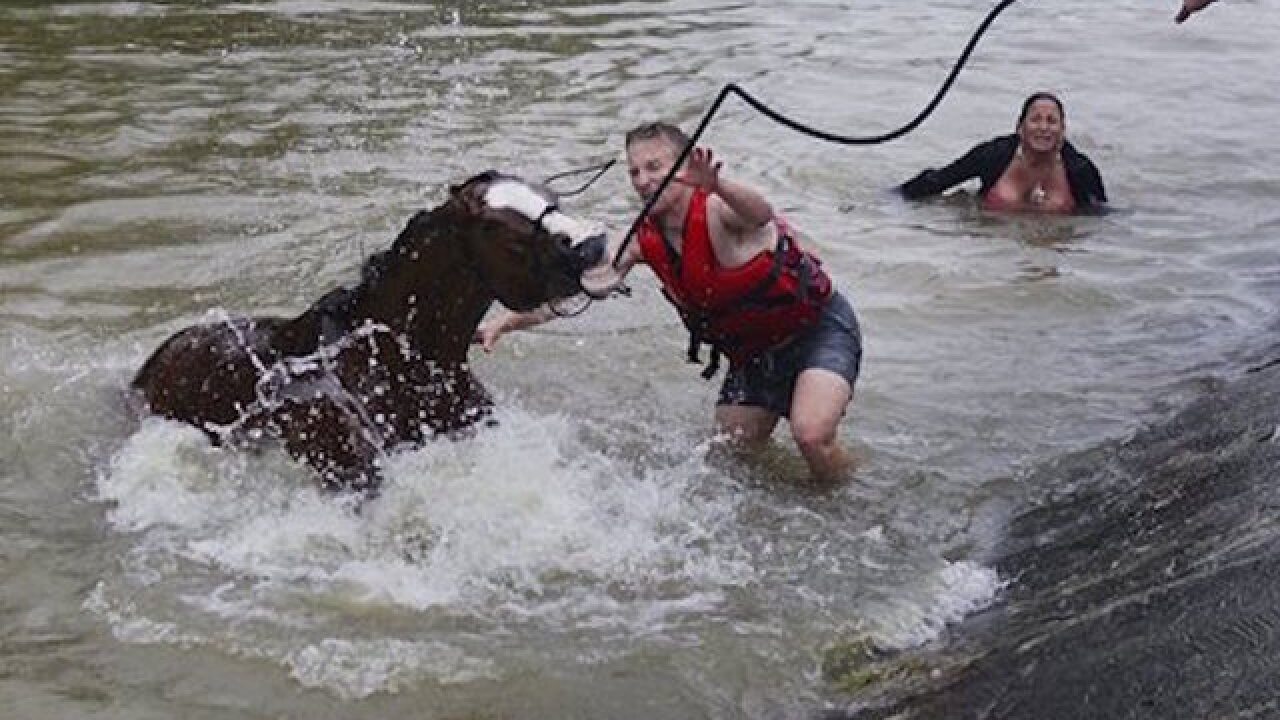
<point x="666" y="131"/>
<point x="1031" y="100"/>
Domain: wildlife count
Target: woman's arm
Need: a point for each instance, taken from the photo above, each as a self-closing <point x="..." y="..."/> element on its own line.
<point x="933" y="182"/>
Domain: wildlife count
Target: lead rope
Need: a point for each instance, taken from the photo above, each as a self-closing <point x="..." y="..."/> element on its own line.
<point x="600" y="169"/>
<point x="807" y="130"/>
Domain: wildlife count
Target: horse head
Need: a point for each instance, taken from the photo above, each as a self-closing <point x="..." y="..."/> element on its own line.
<point x="522" y="247"/>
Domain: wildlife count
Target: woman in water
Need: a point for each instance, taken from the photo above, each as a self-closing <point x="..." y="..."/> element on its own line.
<point x="1032" y="170"/>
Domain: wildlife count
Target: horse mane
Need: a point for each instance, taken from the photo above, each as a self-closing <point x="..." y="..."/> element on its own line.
<point x="425" y="227"/>
<point x="422" y="223"/>
<point x="420" y="226"/>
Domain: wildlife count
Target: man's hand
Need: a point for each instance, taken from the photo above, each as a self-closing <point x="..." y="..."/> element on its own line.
<point x="701" y="170"/>
<point x="488" y="332"/>
<point x="601" y="281"/>
<point x="1190" y="7"/>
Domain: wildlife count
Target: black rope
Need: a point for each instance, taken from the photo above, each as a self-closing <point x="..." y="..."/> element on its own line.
<point x="600" y="168"/>
<point x="807" y="130"/>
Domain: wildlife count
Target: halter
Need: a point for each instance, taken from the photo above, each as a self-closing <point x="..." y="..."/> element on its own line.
<point x="518" y="203"/>
<point x="537" y="224"/>
<point x="553" y="305"/>
<point x="539" y="229"/>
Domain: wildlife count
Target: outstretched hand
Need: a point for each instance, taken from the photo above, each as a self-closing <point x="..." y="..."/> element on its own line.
<point x="602" y="281"/>
<point x="701" y="170"/>
<point x="487" y="334"/>
<point x="1190" y="7"/>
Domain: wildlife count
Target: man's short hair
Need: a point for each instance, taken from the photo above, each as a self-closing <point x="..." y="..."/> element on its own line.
<point x="648" y="131"/>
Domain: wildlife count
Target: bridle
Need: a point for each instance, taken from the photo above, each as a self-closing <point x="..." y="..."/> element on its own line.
<point x="539" y="229"/>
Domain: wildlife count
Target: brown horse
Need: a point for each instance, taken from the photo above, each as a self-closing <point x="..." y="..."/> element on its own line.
<point x="384" y="364"/>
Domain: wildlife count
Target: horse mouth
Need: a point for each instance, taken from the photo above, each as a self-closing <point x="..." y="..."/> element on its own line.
<point x="587" y="254"/>
<point x="571" y="263"/>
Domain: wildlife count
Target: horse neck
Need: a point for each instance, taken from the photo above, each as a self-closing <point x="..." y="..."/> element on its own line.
<point x="429" y="292"/>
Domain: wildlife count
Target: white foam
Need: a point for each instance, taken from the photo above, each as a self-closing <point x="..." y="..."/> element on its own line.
<point x="140" y="479"/>
<point x="922" y="611"/>
<point x="523" y="524"/>
<point x="358" y="669"/>
<point x="525" y="530"/>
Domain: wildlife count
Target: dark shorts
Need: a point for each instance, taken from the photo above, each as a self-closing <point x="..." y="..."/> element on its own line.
<point x="769" y="379"/>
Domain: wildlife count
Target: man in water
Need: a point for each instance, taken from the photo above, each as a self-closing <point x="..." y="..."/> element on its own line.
<point x="1191" y="7"/>
<point x="744" y="286"/>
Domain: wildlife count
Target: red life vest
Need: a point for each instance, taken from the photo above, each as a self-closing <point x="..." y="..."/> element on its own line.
<point x="740" y="311"/>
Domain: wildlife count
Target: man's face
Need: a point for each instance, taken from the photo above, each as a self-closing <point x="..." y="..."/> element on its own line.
<point x="648" y="161"/>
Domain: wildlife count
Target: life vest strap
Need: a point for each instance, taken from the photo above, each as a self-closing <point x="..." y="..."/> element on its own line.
<point x="758" y="298"/>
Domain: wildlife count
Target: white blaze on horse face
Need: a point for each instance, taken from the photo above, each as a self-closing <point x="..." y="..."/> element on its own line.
<point x="530" y="203"/>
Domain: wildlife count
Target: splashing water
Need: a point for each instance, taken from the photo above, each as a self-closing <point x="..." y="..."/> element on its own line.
<point x="517" y="525"/>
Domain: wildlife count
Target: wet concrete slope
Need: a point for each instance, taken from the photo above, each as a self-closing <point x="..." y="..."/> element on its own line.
<point x="1147" y="586"/>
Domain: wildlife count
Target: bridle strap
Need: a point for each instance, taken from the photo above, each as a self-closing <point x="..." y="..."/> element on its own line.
<point x="550" y="208"/>
<point x="535" y="262"/>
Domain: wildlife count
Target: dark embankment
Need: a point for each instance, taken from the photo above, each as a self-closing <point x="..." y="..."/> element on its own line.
<point x="1148" y="586"/>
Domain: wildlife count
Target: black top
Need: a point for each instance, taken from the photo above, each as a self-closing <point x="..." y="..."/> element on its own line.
<point x="988" y="162"/>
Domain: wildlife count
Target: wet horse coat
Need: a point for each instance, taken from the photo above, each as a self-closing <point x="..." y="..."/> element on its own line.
<point x="384" y="364"/>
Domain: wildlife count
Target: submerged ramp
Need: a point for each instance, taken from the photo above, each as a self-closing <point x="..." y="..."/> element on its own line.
<point x="1147" y="586"/>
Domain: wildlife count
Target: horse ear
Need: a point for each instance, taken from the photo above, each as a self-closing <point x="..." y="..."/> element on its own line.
<point x="467" y="198"/>
<point x="458" y="197"/>
<point x="471" y="192"/>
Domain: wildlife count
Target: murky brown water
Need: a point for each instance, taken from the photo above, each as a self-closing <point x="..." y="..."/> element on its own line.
<point x="162" y="160"/>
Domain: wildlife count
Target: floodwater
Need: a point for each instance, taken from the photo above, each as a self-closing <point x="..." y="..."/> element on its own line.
<point x="165" y="163"/>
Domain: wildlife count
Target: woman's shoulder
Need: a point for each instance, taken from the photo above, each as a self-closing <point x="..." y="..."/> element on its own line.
<point x="1085" y="179"/>
<point x="1077" y="162"/>
<point x="1073" y="155"/>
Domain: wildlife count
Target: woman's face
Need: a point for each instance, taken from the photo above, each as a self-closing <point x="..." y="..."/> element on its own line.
<point x="648" y="161"/>
<point x="1042" y="129"/>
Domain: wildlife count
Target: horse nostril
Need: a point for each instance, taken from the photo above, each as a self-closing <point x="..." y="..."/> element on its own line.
<point x="589" y="252"/>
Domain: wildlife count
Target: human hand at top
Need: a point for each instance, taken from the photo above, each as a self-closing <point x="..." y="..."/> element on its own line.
<point x="701" y="170"/>
<point x="1190" y="7"/>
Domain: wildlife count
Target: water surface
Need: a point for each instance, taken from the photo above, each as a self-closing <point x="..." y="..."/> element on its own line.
<point x="167" y="163"/>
